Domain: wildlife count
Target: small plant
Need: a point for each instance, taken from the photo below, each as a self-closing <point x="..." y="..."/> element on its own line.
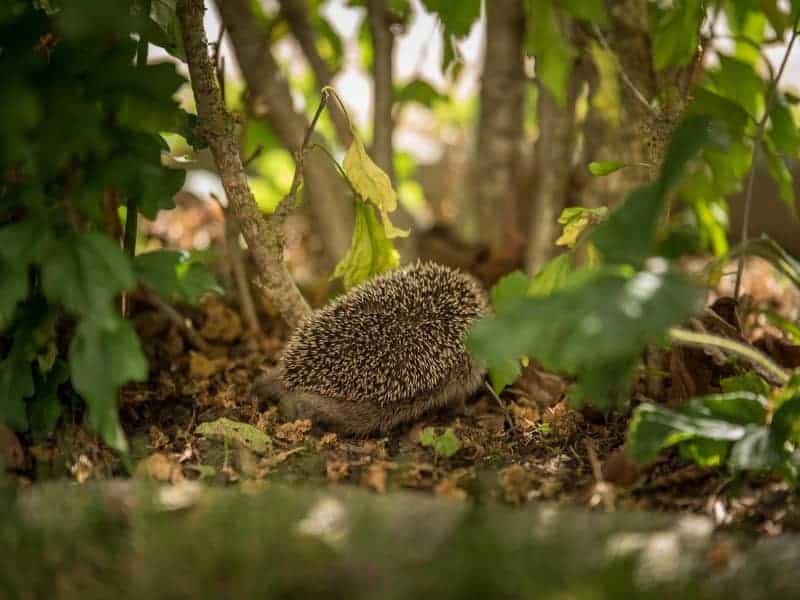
<point x="444" y="444"/>
<point x="747" y="428"/>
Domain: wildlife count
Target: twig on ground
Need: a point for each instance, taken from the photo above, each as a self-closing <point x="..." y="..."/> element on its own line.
<point x="183" y="324"/>
<point x="236" y="258"/>
<point x="503" y="406"/>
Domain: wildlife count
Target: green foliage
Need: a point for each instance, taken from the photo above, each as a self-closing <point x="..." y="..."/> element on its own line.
<point x="79" y="134"/>
<point x="575" y="220"/>
<point x="445" y="444"/>
<point x="174" y="275"/>
<point x="554" y="52"/>
<point x="722" y="429"/>
<point x="457" y="19"/>
<point x="370" y="253"/>
<point x="605" y="167"/>
<point x="675" y="32"/>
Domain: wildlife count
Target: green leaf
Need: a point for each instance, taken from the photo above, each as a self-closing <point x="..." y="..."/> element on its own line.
<point x="419" y="91"/>
<point x="44" y="407"/>
<point x="103" y="355"/>
<point x="551" y="276"/>
<point x="372" y="184"/>
<point x="783" y="130"/>
<point x="786" y="421"/>
<point x="246" y="435"/>
<point x="370" y="253"/>
<point x="742" y="407"/>
<point x="16" y="384"/>
<point x="739" y="82"/>
<point x="575" y="219"/>
<point x="747" y="382"/>
<point x="457" y="19"/>
<point x="756" y="451"/>
<point x="706" y="453"/>
<point x="781" y="174"/>
<point x="173" y="275"/>
<point x="628" y="234"/>
<point x="14" y="283"/>
<point x="594" y="326"/>
<point x="446" y="444"/>
<point x="654" y="428"/>
<point x="508" y="290"/>
<point x="85" y="272"/>
<point x="553" y="51"/>
<point x="604" y="167"/>
<point x="675" y="33"/>
<point x="688" y="140"/>
<point x="593" y="11"/>
<point x="504" y="374"/>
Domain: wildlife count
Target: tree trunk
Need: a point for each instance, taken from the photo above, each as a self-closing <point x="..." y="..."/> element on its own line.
<point x="554" y="155"/>
<point x="264" y="237"/>
<point x="269" y="97"/>
<point x="496" y="164"/>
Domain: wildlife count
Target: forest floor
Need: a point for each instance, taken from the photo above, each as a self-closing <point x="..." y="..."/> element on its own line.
<point x="532" y="449"/>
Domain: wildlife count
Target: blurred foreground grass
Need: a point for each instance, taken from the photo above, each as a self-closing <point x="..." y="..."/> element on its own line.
<point x="122" y="540"/>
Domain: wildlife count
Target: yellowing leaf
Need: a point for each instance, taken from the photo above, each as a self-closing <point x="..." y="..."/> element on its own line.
<point x="372" y="184"/>
<point x="370" y="253"/>
<point x="575" y="219"/>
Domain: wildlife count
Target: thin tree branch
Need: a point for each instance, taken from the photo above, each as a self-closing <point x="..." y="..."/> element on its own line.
<point x="762" y="125"/>
<point x="691" y="338"/>
<point x="295" y="12"/>
<point x="383" y="86"/>
<point x="269" y="96"/>
<point x="179" y="320"/>
<point x="264" y="237"/>
<point x="623" y="75"/>
<point x="236" y="258"/>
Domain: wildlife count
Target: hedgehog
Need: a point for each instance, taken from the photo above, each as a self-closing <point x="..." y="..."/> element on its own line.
<point x="387" y="352"/>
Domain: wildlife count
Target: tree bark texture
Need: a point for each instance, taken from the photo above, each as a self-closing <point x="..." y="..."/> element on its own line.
<point x="554" y="155"/>
<point x="270" y="98"/>
<point x="264" y="236"/>
<point x="496" y="168"/>
<point x="382" y="85"/>
<point x="296" y="14"/>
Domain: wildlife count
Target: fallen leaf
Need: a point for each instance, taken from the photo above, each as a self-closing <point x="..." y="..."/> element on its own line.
<point x="221" y="323"/>
<point x="375" y="477"/>
<point x="159" y="467"/>
<point x="294" y="431"/>
<point x="516" y="483"/>
<point x="12" y="455"/>
<point x="202" y="367"/>
<point x="337" y="470"/>
<point x="234" y="431"/>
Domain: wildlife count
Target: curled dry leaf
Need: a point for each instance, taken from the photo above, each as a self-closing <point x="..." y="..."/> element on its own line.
<point x="337" y="470"/>
<point x="516" y="484"/>
<point x="293" y="432"/>
<point x="202" y="367"/>
<point x="221" y="323"/>
<point x="159" y="467"/>
<point x="375" y="477"/>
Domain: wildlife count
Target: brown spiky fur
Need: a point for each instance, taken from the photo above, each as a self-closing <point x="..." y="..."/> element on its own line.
<point x="387" y="352"/>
